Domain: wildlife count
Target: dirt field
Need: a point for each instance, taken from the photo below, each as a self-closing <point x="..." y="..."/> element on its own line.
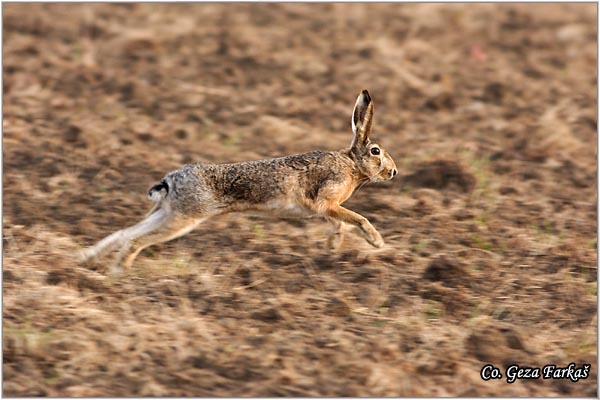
<point x="489" y="111"/>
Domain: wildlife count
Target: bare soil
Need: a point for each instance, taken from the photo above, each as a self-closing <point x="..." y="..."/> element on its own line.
<point x="489" y="111"/>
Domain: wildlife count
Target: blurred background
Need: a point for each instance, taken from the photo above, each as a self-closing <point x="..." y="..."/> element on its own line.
<point x="488" y="109"/>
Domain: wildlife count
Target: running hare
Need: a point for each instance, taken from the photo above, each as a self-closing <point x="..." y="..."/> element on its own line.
<point x="313" y="183"/>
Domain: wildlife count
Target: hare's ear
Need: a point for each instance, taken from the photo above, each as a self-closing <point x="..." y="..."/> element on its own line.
<point x="362" y="116"/>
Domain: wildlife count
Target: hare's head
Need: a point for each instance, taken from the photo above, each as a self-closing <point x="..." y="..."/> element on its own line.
<point x="371" y="159"/>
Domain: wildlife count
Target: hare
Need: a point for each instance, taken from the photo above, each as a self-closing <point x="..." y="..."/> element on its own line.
<point x="301" y="185"/>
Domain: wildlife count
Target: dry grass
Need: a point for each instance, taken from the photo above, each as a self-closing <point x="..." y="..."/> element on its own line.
<point x="489" y="110"/>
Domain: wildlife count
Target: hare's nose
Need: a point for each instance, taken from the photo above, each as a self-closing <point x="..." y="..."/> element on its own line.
<point x="394" y="172"/>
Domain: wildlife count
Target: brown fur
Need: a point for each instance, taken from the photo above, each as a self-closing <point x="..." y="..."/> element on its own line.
<point x="313" y="183"/>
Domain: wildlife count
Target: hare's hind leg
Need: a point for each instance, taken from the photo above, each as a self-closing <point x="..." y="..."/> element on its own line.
<point x="344" y="215"/>
<point x="116" y="240"/>
<point x="169" y="229"/>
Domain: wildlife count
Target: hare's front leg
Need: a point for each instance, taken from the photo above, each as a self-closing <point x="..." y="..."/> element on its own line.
<point x="335" y="239"/>
<point x="344" y="215"/>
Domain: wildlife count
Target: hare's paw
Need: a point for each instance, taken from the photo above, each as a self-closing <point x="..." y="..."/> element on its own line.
<point x="116" y="270"/>
<point x="376" y="240"/>
<point x="86" y="256"/>
<point x="334" y="241"/>
<point x="379" y="243"/>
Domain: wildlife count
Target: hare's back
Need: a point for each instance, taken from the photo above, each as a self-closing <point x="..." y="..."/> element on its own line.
<point x="260" y="180"/>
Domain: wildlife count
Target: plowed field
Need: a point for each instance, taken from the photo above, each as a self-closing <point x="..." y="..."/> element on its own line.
<point x="490" y="226"/>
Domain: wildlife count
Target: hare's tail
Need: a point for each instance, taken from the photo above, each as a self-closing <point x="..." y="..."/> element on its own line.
<point x="158" y="191"/>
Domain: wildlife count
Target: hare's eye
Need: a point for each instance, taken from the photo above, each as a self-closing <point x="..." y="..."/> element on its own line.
<point x="375" y="151"/>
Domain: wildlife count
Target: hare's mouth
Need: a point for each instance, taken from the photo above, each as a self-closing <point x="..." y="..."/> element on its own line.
<point x="385" y="174"/>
